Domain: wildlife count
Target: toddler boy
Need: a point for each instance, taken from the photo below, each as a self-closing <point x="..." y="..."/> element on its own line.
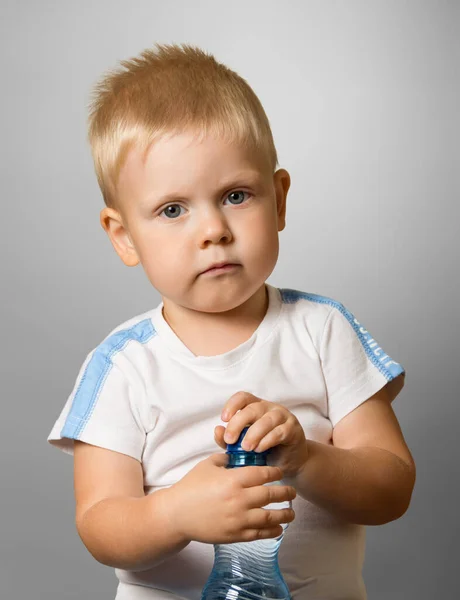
<point x="186" y="163"/>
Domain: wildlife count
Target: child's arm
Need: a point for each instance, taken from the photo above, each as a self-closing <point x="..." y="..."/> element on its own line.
<point x="123" y="528"/>
<point x="119" y="525"/>
<point x="366" y="477"/>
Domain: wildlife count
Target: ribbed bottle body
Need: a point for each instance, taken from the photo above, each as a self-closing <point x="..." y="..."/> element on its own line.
<point x="246" y="571"/>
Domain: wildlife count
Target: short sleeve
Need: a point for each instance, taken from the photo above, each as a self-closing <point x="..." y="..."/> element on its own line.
<point x="354" y="365"/>
<point x="101" y="410"/>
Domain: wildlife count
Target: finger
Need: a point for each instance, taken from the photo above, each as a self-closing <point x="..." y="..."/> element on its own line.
<point x="276" y="437"/>
<point x="236" y="403"/>
<point x="259" y="496"/>
<point x="257" y="475"/>
<point x="261" y="518"/>
<point x="263" y="428"/>
<point x="219" y="436"/>
<point x="246" y="416"/>
<point x="249" y="535"/>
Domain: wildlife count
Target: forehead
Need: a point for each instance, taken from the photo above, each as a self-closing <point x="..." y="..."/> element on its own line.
<point x="182" y="160"/>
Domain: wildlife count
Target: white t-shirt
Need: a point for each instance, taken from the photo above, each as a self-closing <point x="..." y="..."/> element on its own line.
<point x="142" y="392"/>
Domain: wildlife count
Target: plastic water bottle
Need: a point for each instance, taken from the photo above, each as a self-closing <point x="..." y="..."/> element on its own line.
<point x="247" y="570"/>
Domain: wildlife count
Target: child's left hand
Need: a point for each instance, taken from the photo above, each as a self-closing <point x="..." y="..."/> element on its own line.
<point x="270" y="425"/>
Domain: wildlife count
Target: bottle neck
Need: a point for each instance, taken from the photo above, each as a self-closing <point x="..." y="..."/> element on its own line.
<point x="246" y="459"/>
<point x="238" y="457"/>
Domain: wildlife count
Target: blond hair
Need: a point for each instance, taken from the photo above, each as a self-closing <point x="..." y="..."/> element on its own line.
<point x="166" y="91"/>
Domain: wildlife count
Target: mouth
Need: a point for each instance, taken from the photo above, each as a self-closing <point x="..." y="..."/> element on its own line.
<point x="221" y="268"/>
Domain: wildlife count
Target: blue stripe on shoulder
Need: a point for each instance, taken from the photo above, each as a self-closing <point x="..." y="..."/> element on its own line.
<point x="388" y="367"/>
<point x="96" y="373"/>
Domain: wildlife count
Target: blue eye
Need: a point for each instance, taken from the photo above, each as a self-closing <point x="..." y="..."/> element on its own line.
<point x="236" y="194"/>
<point x="171" y="213"/>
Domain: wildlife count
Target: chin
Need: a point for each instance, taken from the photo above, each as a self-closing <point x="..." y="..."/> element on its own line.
<point x="224" y="301"/>
<point x="219" y="307"/>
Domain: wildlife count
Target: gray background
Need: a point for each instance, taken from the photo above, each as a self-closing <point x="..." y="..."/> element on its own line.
<point x="363" y="99"/>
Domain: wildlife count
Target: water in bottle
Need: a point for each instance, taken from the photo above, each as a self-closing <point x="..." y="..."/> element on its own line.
<point x="247" y="570"/>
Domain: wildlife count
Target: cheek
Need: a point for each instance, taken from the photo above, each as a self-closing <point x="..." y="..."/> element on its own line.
<point x="261" y="233"/>
<point x="162" y="257"/>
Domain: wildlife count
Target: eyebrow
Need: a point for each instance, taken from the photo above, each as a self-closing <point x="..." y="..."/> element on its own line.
<point x="242" y="178"/>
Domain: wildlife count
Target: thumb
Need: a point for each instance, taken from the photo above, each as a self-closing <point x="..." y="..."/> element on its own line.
<point x="219" y="432"/>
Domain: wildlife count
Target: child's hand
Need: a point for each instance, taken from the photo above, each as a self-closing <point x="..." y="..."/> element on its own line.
<point x="216" y="505"/>
<point x="270" y="425"/>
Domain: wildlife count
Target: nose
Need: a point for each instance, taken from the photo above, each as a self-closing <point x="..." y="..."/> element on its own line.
<point x="213" y="228"/>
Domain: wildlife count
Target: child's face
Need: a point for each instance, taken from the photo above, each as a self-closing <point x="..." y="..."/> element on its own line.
<point x="227" y="207"/>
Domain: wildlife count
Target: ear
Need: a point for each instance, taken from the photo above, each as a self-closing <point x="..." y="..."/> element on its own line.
<point x="112" y="223"/>
<point x="282" y="183"/>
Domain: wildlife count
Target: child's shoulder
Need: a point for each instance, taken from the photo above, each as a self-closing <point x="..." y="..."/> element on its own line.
<point x="127" y="338"/>
<point x="317" y="311"/>
<point x="137" y="328"/>
<point x="310" y="303"/>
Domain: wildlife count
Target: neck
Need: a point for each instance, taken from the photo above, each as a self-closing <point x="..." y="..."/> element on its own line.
<point x="215" y="333"/>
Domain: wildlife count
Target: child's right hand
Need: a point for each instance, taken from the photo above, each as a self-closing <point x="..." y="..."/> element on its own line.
<point x="216" y="505"/>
